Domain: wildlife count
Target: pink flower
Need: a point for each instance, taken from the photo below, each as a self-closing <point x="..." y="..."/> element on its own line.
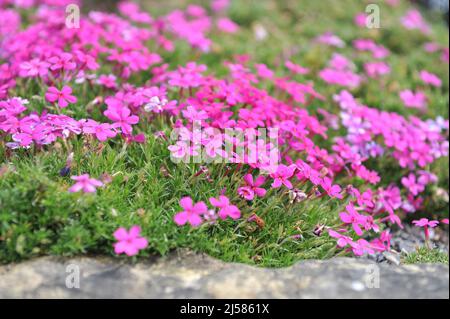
<point x="414" y="100"/>
<point x="295" y="68"/>
<point x="412" y="185"/>
<point x="414" y="20"/>
<point x="62" y="62"/>
<point x="362" y="247"/>
<point x="282" y="176"/>
<point x="430" y="78"/>
<point x="225" y="208"/>
<point x="129" y="242"/>
<point x="426" y="224"/>
<point x="333" y="191"/>
<point x="252" y="188"/>
<point x="376" y="69"/>
<point x="330" y="39"/>
<point x="34" y="68"/>
<point x="354" y="218"/>
<point x="191" y="213"/>
<point x="122" y="118"/>
<point x="64" y="97"/>
<point x="360" y="19"/>
<point x="264" y="72"/>
<point x="102" y="131"/>
<point x="343" y="241"/>
<point x="226" y="25"/>
<point x="445" y="221"/>
<point x="85" y="183"/>
<point x="108" y="81"/>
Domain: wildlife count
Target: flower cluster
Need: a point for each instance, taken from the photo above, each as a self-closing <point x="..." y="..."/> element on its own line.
<point x="216" y="116"/>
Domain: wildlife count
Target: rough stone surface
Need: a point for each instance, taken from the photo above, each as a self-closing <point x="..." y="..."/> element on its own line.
<point x="187" y="275"/>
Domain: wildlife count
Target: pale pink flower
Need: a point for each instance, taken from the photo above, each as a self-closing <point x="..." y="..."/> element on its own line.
<point x="85" y="184"/>
<point x="416" y="100"/>
<point x="226" y="25"/>
<point x="430" y="78"/>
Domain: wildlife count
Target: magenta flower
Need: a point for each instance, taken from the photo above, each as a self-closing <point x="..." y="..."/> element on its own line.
<point x="252" y="188"/>
<point x="445" y="221"/>
<point x="376" y="69"/>
<point x="416" y="100"/>
<point x="430" y="78"/>
<point x="191" y="213"/>
<point x="102" y="131"/>
<point x="295" y="68"/>
<point x="225" y="208"/>
<point x="62" y="62"/>
<point x="362" y="247"/>
<point x="63" y="97"/>
<point x="426" y="224"/>
<point x="226" y="25"/>
<point x="122" y="118"/>
<point x="412" y="184"/>
<point x="342" y="240"/>
<point x="34" y="68"/>
<point x="129" y="242"/>
<point x="282" y="176"/>
<point x="85" y="183"/>
<point x="354" y="218"/>
<point x="333" y="191"/>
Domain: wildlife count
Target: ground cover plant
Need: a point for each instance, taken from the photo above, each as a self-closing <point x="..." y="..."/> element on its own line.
<point x="138" y="131"/>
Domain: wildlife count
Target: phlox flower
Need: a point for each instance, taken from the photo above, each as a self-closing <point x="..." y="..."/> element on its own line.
<point x="362" y="247"/>
<point x="122" y="117"/>
<point x="416" y="100"/>
<point x="129" y="242"/>
<point x="264" y="72"/>
<point x="383" y="243"/>
<point x="414" y="20"/>
<point x="252" y="187"/>
<point x="360" y="19"/>
<point x="85" y="183"/>
<point x="108" y="81"/>
<point x="102" y="131"/>
<point x="333" y="191"/>
<point x="226" y="25"/>
<point x="342" y="240"/>
<point x="191" y="213"/>
<point x="351" y="216"/>
<point x="63" y="97"/>
<point x="330" y="39"/>
<point x="295" y="68"/>
<point x="282" y="176"/>
<point x="426" y="224"/>
<point x="225" y="208"/>
<point x="62" y="62"/>
<point x="411" y="183"/>
<point x="430" y="78"/>
<point x="376" y="69"/>
<point x="34" y="68"/>
<point x="220" y="5"/>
